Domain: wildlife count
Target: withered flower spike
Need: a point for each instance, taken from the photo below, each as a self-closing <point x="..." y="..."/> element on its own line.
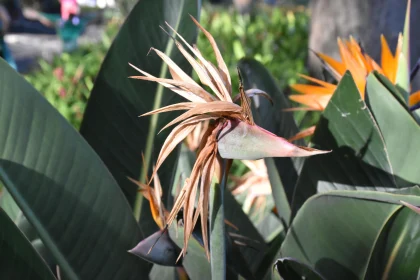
<point x="218" y="110"/>
<point x="245" y="101"/>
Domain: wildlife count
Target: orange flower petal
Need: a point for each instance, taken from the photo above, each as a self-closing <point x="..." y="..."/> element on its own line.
<point x="358" y="72"/>
<point x="306" y="132"/>
<point x="310" y="89"/>
<point x="388" y="61"/>
<point x="319" y="82"/>
<point x="373" y="66"/>
<point x="414" y="98"/>
<point x="338" y="67"/>
<point x="356" y="51"/>
<point x="314" y="101"/>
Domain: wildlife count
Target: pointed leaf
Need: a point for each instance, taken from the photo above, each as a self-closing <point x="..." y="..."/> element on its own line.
<point x="393" y="89"/>
<point x="399" y="129"/>
<point x="239" y="140"/>
<point x="346" y="225"/>
<point x="359" y="159"/>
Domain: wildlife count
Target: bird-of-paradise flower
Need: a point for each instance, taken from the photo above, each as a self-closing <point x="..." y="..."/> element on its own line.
<point x="231" y="133"/>
<point x="360" y="64"/>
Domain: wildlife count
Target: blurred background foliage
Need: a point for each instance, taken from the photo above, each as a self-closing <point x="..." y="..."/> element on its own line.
<point x="67" y="81"/>
<point x="275" y="36"/>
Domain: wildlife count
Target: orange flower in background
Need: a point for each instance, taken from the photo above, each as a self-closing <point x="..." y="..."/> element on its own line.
<point x="316" y="97"/>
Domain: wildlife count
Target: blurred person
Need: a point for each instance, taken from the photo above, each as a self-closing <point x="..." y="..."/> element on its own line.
<point x="28" y="20"/>
<point x="244" y="6"/>
<point x="4" y="27"/>
<point x="69" y="8"/>
<point x="4" y="19"/>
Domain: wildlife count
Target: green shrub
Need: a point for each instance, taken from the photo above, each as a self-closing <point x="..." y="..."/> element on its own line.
<point x="67" y="81"/>
<point x="275" y="37"/>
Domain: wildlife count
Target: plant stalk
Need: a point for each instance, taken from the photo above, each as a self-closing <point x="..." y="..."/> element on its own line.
<point x="217" y="227"/>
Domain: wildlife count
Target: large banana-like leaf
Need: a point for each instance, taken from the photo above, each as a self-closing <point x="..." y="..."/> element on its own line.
<point x="400" y="130"/>
<point x="111" y="124"/>
<point x="63" y="188"/>
<point x="359" y="157"/>
<point x="18" y="259"/>
<point x="397" y="251"/>
<point x="336" y="232"/>
<point x="283" y="172"/>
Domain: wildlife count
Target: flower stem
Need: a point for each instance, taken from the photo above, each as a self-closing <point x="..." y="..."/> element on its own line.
<point x="217" y="227"/>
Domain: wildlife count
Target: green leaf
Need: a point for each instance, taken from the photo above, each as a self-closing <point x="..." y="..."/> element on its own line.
<point x="274" y="119"/>
<point x="254" y="253"/>
<point x="159" y="272"/>
<point x="217" y="227"/>
<point x="292" y="269"/>
<point x="397" y="251"/>
<point x="265" y="269"/>
<point x="18" y="259"/>
<point x="13" y="211"/>
<point x="63" y="188"/>
<point x="195" y="261"/>
<point x="270" y="227"/>
<point x="399" y="129"/>
<point x="111" y="124"/>
<point x="338" y="240"/>
<point x="280" y="196"/>
<point x="45" y="254"/>
<point x="359" y="157"/>
<point x="8" y="204"/>
<point x="393" y="89"/>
